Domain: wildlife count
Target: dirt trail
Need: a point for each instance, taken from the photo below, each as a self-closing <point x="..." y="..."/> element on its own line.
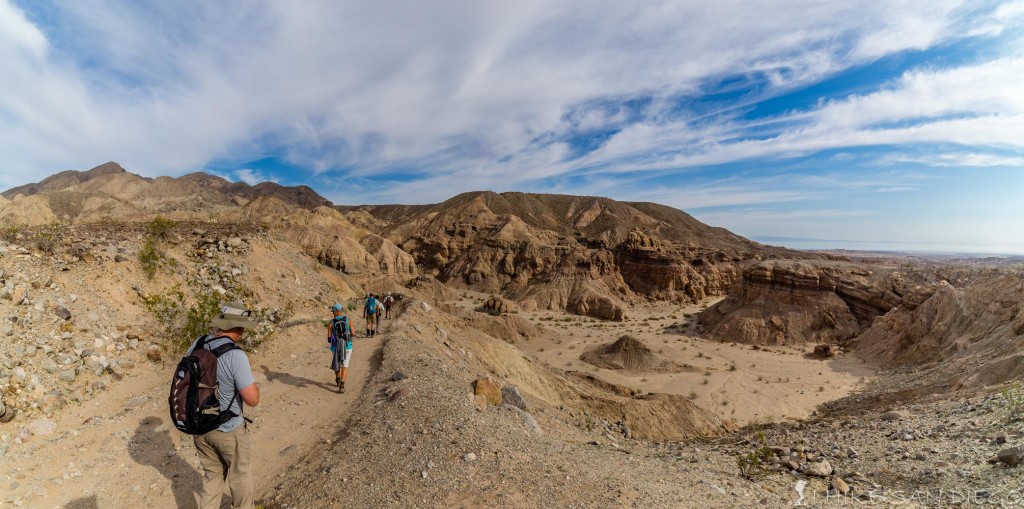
<point x="118" y="450"/>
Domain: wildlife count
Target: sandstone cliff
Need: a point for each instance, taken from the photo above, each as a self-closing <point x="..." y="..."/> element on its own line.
<point x="785" y="301"/>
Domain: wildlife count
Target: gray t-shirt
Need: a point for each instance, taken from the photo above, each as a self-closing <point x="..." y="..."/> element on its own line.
<point x="233" y="373"/>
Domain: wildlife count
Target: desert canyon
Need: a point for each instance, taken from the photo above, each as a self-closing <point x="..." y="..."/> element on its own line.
<point x="546" y="351"/>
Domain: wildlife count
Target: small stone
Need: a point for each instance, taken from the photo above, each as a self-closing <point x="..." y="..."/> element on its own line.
<point x="839" y="485"/>
<point x="489" y="389"/>
<point x="41" y="427"/>
<point x="68" y="375"/>
<point x="479" y="402"/>
<point x="398" y="376"/>
<point x="1012" y="456"/>
<point x="136" y="401"/>
<point x="153" y="354"/>
<point x="510" y="396"/>
<point x="19" y="295"/>
<point x="62" y="312"/>
<point x="469" y="457"/>
<point x="851" y="453"/>
<point x="892" y="416"/>
<point x="817" y="469"/>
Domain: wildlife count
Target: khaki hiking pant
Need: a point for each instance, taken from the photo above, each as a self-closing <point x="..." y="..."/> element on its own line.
<point x="226" y="457"/>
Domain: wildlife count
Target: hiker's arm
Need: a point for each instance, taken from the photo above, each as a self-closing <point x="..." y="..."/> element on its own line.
<point x="251" y="394"/>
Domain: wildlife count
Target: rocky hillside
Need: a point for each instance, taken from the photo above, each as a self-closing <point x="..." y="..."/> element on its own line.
<point x="588" y="255"/>
<point x="786" y="301"/>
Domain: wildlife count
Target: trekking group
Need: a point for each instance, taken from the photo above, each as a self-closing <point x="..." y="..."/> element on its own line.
<point x="213" y="383"/>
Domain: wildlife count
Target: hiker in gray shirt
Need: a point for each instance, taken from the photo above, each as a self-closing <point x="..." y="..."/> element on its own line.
<point x="226" y="453"/>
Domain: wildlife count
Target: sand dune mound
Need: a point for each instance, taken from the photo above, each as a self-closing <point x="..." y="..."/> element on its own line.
<point x="628" y="353"/>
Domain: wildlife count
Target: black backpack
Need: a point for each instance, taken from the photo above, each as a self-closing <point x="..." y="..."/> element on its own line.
<point x="194" y="406"/>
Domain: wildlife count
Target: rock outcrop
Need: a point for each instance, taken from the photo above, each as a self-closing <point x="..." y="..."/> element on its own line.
<point x="967" y="337"/>
<point x="591" y="256"/>
<point x="630" y="354"/>
<point x="786" y="301"/>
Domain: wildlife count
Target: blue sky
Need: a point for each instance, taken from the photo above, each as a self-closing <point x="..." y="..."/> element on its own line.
<point x="858" y="121"/>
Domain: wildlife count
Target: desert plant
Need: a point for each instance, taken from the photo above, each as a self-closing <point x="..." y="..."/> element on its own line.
<point x="1012" y="399"/>
<point x="753" y="464"/>
<point x="160" y="227"/>
<point x="149" y="257"/>
<point x="10" y="234"/>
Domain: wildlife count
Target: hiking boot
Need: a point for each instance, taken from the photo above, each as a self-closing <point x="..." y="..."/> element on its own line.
<point x="341" y="386"/>
<point x="338" y="382"/>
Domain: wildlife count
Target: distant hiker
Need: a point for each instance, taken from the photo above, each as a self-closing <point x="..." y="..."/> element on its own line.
<point x="340" y="338"/>
<point x="226" y="451"/>
<point x="388" y="302"/>
<point x="370" y="310"/>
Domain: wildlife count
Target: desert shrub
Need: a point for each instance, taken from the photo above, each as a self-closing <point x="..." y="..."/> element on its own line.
<point x="149" y="257"/>
<point x="46" y="239"/>
<point x="732" y="367"/>
<point x="753" y="464"/>
<point x="160" y="227"/>
<point x="1012" y="399"/>
<point x="692" y="395"/>
<point x="10" y="234"/>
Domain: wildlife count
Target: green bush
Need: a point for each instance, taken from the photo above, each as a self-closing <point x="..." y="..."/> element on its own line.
<point x="149" y="257"/>
<point x="160" y="227"/>
<point x="1012" y="399"/>
<point x="753" y="464"/>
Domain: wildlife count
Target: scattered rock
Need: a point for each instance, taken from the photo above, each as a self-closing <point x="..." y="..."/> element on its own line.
<point x="68" y="375"/>
<point x="489" y="389"/>
<point x="510" y="396"/>
<point x="398" y="376"/>
<point x="469" y="457"/>
<point x="136" y="401"/>
<point x="62" y="312"/>
<point x="19" y="295"/>
<point x="892" y="416"/>
<point x="41" y="427"/>
<point x="1011" y="456"/>
<point x="817" y="469"/>
<point x="153" y="354"/>
<point x="839" y="485"/>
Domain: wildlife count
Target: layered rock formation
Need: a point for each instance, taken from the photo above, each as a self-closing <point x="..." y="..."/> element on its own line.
<point x="591" y="256"/>
<point x="786" y="301"/>
<point x="971" y="336"/>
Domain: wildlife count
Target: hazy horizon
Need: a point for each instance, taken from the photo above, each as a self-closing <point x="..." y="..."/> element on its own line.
<point x="854" y="120"/>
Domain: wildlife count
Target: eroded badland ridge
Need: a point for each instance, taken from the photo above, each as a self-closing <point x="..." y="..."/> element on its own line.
<point x="547" y="351"/>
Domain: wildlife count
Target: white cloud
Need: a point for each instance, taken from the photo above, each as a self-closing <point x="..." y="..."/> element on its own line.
<point x="459" y="93"/>
<point x="252" y="177"/>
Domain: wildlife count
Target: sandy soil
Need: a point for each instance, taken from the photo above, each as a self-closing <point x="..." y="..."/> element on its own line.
<point x="119" y="451"/>
<point x="736" y="382"/>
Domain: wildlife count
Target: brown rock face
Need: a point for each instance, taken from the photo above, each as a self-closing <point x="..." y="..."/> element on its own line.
<point x="970" y="337"/>
<point x="498" y="305"/>
<point x="591" y="256"/>
<point x="786" y="301"/>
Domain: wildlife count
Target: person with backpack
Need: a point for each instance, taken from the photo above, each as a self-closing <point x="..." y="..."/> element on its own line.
<point x="388" y="302"/>
<point x="215" y="374"/>
<point x="340" y="338"/>
<point x="370" y="310"/>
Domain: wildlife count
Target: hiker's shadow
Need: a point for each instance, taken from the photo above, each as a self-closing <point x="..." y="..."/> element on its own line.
<point x="294" y="381"/>
<point x="153" y="446"/>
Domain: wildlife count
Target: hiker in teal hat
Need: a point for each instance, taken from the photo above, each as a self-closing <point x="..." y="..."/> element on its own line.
<point x="340" y="338"/>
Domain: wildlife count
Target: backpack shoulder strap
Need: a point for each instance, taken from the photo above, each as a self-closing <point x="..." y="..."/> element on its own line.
<point x="223" y="349"/>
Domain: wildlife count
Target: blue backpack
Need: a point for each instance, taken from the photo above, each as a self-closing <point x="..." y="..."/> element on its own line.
<point x="371" y="305"/>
